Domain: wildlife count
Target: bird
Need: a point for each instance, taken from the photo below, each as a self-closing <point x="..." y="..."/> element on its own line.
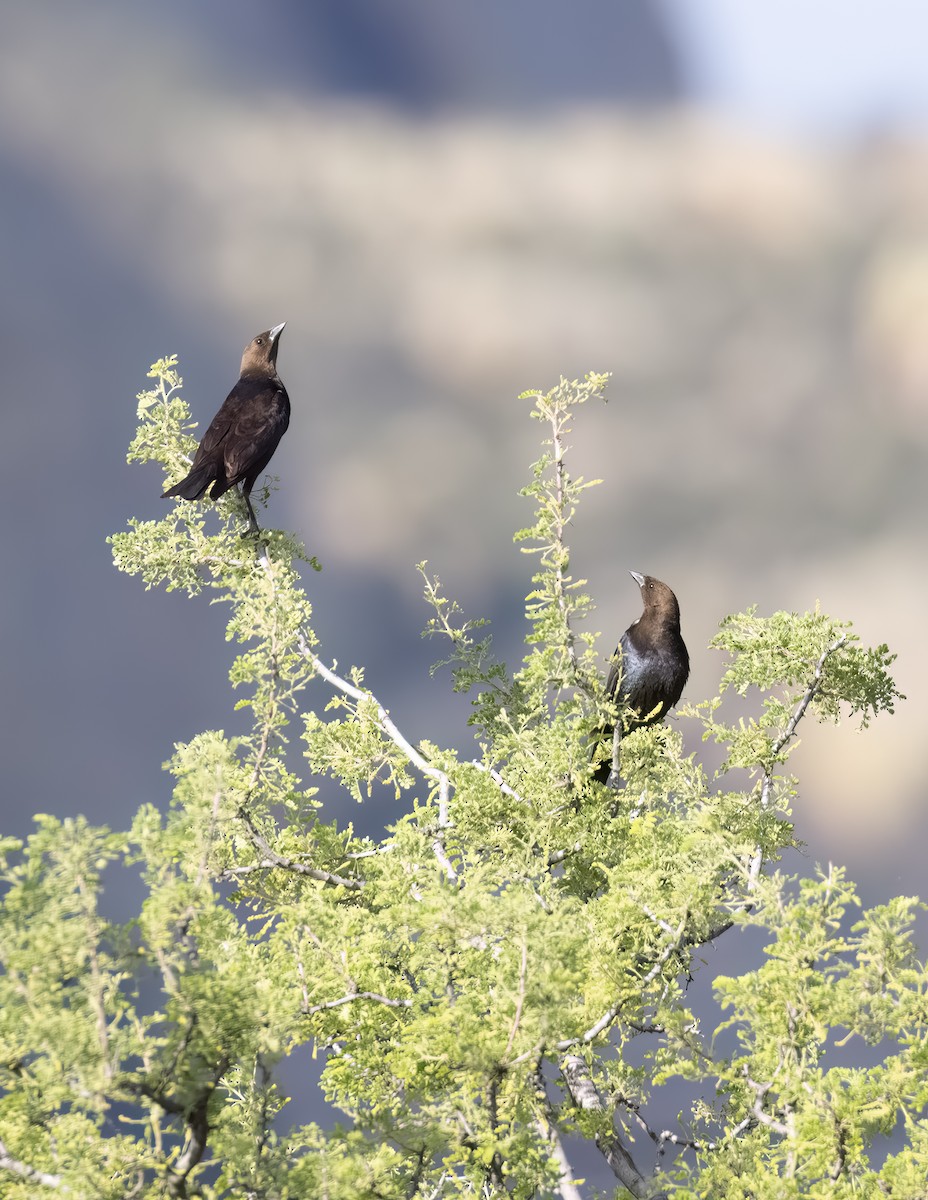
<point x="650" y="665"/>
<point x="243" y="435"/>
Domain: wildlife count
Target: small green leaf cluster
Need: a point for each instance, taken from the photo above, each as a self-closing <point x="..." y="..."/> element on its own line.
<point x="783" y="651"/>
<point x="797" y="662"/>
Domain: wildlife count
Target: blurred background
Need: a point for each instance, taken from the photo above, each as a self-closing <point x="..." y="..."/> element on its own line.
<point x="725" y="205"/>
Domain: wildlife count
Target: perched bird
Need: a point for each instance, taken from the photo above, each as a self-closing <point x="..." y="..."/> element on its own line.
<point x="245" y="432"/>
<point x="650" y="664"/>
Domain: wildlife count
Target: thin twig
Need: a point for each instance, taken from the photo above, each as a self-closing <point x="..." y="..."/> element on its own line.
<point x="271" y="860"/>
<point x="757" y="859"/>
<point x="433" y="1195"/>
<point x="558" y="856"/>
<point x="560" y="588"/>
<point x="612" y="1013"/>
<point x="413" y="1190"/>
<point x="666" y="1136"/>
<point x="386" y="848"/>
<point x="387" y="726"/>
<point x="301" y="975"/>
<point x="261" y="1079"/>
<point x="140" y="1087"/>
<point x="438" y="849"/>
<point x="798" y="713"/>
<point x="583" y="1040"/>
<point x="836" y="1170"/>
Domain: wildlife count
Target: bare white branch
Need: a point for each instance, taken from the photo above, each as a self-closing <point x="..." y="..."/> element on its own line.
<point x="665" y="925"/>
<point x="498" y="780"/>
<point x="386" y="848"/>
<point x="567" y="1188"/>
<point x="439" y="1188"/>
<point x="393" y="733"/>
<point x="9" y="1163"/>
<point x="374" y="997"/>
<point x="758" y="1114"/>
<point x="676" y="941"/>
<point x="278" y="862"/>
<point x="438" y="849"/>
<point x="585" y="1095"/>
<point x="593" y="1032"/>
<point x="583" y="1040"/>
<point x="383" y="717"/>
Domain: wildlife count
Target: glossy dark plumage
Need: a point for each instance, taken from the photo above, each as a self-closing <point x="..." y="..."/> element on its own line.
<point x="244" y="434"/>
<point x="651" y="663"/>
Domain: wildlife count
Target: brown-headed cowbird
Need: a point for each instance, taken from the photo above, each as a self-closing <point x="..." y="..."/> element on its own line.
<point x="245" y="432"/>
<point x="650" y="664"/>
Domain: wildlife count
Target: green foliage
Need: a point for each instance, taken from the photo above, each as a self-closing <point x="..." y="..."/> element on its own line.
<point x="512" y="962"/>
<point x="815" y="1122"/>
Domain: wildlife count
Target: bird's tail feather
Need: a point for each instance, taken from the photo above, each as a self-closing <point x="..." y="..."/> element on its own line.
<point x="193" y="485"/>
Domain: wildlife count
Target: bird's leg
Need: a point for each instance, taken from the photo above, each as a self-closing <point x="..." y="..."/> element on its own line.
<point x="614" y="777"/>
<point x="253" y="526"/>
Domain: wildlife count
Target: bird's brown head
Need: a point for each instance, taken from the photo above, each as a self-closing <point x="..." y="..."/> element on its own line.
<point x="658" y="600"/>
<point x="260" y="355"/>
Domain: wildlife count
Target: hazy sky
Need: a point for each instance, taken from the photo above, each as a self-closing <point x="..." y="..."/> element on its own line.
<point x="820" y="66"/>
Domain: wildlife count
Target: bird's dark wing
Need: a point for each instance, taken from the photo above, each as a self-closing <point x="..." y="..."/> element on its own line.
<point x="207" y="466"/>
<point x="220" y="427"/>
<point x="654" y="672"/>
<point x="261" y="420"/>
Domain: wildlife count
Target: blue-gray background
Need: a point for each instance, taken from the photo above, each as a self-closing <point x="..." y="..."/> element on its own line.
<point x="725" y="205"/>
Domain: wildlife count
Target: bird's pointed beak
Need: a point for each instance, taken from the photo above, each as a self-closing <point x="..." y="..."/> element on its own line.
<point x="277" y="331"/>
<point x="638" y="578"/>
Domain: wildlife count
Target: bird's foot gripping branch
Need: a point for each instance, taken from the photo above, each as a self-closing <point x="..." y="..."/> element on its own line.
<point x="499" y="990"/>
